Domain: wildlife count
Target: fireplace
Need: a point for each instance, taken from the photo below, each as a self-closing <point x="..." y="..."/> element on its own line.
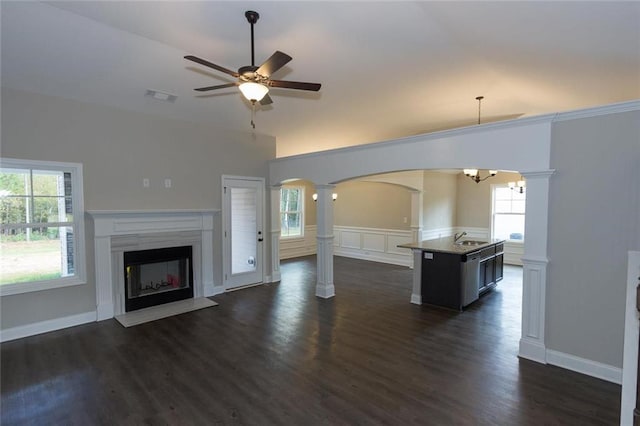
<point x="157" y="276"/>
<point x="117" y="232"/>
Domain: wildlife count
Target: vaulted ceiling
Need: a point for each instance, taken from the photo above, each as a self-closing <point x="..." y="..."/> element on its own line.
<point x="388" y="69"/>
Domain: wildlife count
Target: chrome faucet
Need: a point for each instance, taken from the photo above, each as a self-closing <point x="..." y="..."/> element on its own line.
<point x="456" y="237"/>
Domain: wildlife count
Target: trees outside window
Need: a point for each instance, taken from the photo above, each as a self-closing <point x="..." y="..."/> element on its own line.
<point x="41" y="225"/>
<point x="291" y="212"/>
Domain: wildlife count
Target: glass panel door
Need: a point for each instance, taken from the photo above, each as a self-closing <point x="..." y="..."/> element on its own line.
<point x="243" y="234"/>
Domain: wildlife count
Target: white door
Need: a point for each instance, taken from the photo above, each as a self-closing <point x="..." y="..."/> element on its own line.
<point x="243" y="201"/>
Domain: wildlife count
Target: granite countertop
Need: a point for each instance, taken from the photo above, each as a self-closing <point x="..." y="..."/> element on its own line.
<point x="446" y="245"/>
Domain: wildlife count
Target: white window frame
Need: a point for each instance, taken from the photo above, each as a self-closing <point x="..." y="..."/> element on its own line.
<point x="77" y="199"/>
<point x="301" y="211"/>
<point x="493" y="212"/>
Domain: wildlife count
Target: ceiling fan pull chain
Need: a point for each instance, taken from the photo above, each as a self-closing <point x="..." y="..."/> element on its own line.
<point x="253" y="113"/>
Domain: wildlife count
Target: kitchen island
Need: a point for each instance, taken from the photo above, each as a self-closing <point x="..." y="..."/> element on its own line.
<point x="454" y="274"/>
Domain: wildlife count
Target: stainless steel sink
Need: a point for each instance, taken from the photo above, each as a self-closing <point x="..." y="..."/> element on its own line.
<point x="470" y="243"/>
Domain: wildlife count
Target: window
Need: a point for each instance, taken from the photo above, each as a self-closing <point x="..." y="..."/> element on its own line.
<point x="508" y="213"/>
<point x="291" y="212"/>
<point x="41" y="226"/>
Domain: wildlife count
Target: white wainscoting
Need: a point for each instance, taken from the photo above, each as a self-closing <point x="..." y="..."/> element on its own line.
<point x="513" y="253"/>
<point x="375" y="244"/>
<point x="297" y="247"/>
<point x="379" y="244"/>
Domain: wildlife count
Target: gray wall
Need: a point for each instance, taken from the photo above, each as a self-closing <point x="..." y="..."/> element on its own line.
<point x="372" y="205"/>
<point x="439" y="200"/>
<point x="118" y="149"/>
<point x="473" y="200"/>
<point x="593" y="221"/>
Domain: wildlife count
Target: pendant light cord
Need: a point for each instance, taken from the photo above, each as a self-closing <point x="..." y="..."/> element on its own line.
<point x="253" y="114"/>
<point x="479" y="98"/>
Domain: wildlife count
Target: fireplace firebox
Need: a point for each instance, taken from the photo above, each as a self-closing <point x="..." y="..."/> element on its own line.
<point x="157" y="276"/>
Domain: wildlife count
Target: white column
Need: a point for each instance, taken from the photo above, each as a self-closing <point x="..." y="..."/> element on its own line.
<point x="104" y="289"/>
<point x="534" y="266"/>
<point x="631" y="335"/>
<point x="416" y="293"/>
<point x="416" y="220"/>
<point x="275" y="233"/>
<point x="324" y="218"/>
<point x="206" y="264"/>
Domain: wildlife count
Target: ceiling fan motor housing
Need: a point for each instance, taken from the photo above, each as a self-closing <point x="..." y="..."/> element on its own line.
<point x="252" y="16"/>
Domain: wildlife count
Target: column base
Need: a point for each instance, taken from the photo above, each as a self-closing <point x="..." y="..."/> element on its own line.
<point x="533" y="350"/>
<point x="325" y="291"/>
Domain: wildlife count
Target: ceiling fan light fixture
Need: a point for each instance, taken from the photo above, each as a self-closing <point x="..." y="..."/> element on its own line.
<point x="253" y="91"/>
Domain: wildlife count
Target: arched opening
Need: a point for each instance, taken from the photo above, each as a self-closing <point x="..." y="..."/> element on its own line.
<point x="523" y="145"/>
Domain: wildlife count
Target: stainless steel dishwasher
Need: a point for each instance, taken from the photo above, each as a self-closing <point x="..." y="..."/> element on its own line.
<point x="470" y="277"/>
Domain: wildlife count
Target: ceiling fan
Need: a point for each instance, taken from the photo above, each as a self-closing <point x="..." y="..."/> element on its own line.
<point x="254" y="81"/>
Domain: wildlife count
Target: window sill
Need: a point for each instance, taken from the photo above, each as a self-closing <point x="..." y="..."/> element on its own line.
<point x="28" y="287"/>
<point x="292" y="238"/>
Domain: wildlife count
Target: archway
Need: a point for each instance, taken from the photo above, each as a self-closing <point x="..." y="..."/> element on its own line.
<point x="522" y="145"/>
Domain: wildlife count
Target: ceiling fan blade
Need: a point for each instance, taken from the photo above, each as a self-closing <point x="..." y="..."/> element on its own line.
<point x="219" y="86"/>
<point x="211" y="65"/>
<point x="266" y="100"/>
<point x="295" y="85"/>
<point x="273" y="64"/>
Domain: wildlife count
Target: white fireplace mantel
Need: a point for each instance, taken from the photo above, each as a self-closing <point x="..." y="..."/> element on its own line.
<point x="149" y="225"/>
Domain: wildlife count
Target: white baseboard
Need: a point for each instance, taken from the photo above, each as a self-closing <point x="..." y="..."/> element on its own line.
<point x="46" y="326"/>
<point x="218" y="289"/>
<point x="585" y="366"/>
<point x="533" y="350"/>
<point x="374" y="257"/>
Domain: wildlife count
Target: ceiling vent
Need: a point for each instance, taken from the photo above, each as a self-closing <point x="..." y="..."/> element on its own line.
<point x="161" y="96"/>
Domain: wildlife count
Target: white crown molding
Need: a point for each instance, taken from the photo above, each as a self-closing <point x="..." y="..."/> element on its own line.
<point x="599" y="110"/>
<point x="518" y="122"/>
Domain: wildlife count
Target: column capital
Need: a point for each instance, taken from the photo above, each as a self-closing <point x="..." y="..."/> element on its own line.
<point x="538" y="174"/>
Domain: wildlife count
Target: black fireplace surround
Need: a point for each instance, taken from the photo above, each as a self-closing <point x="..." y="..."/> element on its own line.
<point x="157" y="276"/>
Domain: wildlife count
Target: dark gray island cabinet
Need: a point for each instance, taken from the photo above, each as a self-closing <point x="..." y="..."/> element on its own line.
<point x="454" y="275"/>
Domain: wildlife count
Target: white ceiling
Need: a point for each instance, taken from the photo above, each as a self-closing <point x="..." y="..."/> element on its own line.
<point x="388" y="69"/>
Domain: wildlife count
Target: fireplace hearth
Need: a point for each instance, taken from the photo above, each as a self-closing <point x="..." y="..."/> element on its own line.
<point x="157" y="276"/>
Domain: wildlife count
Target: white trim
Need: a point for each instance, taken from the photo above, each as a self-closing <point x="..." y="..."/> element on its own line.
<point x="257" y="277"/>
<point x="144" y="229"/>
<point x="374" y="244"/>
<point x="598" y="110"/>
<point x="533" y="350"/>
<point x="46" y="326"/>
<point x="515" y="123"/>
<point x="534" y="281"/>
<point x="80" y="253"/>
<point x="300" y="211"/>
<point x="298" y="247"/>
<point x="631" y="336"/>
<point x="585" y="366"/>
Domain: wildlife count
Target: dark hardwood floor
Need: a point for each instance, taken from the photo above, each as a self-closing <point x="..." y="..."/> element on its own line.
<point x="276" y="354"/>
